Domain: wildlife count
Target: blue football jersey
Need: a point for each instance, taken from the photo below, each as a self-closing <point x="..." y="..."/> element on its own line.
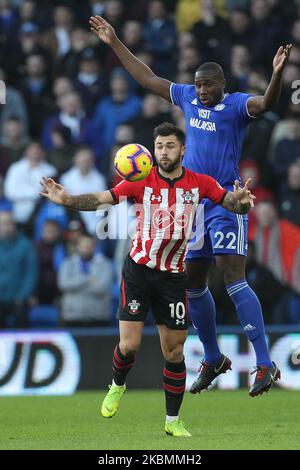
<point x="214" y="136"/>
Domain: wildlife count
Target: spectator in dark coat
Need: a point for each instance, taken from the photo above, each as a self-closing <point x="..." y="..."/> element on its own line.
<point x="287" y="149"/>
<point x="151" y="116"/>
<point x="90" y="81"/>
<point x="267" y="33"/>
<point x="70" y="123"/>
<point x="28" y="44"/>
<point x="112" y="111"/>
<point x="160" y="38"/>
<point x="36" y="91"/>
<point x="14" y="105"/>
<point x="14" y="139"/>
<point x="18" y="273"/>
<point x="290" y="194"/>
<point x="211" y="33"/>
<point x="85" y="279"/>
<point x="51" y="253"/>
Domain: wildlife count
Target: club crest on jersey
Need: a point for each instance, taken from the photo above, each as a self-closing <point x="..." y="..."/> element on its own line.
<point x="154" y="198"/>
<point x="188" y="197"/>
<point x="134" y="306"/>
<point x="219" y="107"/>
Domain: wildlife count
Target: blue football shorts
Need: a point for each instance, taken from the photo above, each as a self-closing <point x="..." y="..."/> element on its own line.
<point x="217" y="231"/>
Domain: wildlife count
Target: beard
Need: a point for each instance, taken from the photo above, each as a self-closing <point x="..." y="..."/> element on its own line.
<point x="168" y="166"/>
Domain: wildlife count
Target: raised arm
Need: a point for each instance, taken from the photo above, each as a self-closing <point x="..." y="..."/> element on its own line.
<point x="240" y="200"/>
<point x="258" y="105"/>
<point x="139" y="71"/>
<point x="83" y="202"/>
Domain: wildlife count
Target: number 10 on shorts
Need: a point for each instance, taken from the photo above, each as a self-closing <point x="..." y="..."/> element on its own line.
<point x="178" y="312"/>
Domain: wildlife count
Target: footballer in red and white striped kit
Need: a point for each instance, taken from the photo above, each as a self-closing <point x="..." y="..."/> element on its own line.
<point x="167" y="210"/>
<point x="153" y="273"/>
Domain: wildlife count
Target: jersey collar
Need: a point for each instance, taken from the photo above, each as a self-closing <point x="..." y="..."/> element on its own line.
<point x="170" y="181"/>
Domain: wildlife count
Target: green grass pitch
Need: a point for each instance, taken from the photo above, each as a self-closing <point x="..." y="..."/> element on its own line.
<point x="216" y="419"/>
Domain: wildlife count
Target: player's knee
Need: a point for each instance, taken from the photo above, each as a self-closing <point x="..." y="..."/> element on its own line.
<point x="129" y="347"/>
<point x="229" y="272"/>
<point x="232" y="271"/>
<point x="195" y="281"/>
<point x="174" y="354"/>
<point x="197" y="275"/>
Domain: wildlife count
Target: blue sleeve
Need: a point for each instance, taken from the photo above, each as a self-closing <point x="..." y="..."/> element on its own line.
<point x="241" y="105"/>
<point x="177" y="93"/>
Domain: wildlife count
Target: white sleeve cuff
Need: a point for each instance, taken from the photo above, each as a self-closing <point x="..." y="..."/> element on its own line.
<point x="171" y="94"/>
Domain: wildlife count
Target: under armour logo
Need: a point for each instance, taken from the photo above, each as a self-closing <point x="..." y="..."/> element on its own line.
<point x="163" y="219"/>
<point x="180" y="322"/>
<point x="156" y="198"/>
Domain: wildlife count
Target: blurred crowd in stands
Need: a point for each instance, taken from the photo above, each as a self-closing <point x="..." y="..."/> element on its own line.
<point x="70" y="106"/>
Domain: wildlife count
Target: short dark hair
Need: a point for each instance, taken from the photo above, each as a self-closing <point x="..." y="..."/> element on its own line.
<point x="211" y="68"/>
<point x="166" y="128"/>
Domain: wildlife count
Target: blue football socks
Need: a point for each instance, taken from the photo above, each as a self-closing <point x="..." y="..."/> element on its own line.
<point x="250" y="314"/>
<point x="202" y="311"/>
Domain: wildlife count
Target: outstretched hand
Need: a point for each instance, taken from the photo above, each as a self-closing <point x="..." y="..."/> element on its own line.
<point x="244" y="194"/>
<point x="281" y="58"/>
<point x="53" y="191"/>
<point x="102" y="29"/>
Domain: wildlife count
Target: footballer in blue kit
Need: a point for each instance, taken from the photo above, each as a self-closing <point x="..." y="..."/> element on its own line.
<point x="214" y="140"/>
<point x="216" y="124"/>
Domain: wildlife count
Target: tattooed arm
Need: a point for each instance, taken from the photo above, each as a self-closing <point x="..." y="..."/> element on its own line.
<point x="83" y="202"/>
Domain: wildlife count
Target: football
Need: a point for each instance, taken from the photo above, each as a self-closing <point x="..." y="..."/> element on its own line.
<point x="133" y="162"/>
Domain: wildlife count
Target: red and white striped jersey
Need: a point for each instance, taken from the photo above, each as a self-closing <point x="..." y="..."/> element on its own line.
<point x="166" y="210"/>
